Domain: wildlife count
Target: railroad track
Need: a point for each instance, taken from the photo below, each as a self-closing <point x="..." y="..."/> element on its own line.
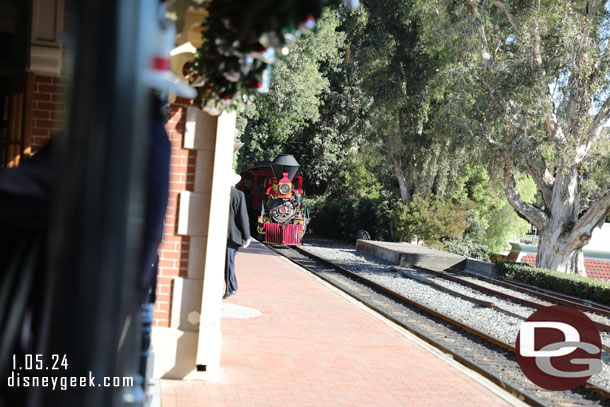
<point x="477" y="350"/>
<point x="562" y="299"/>
<point x="547" y="297"/>
<point x="489" y="291"/>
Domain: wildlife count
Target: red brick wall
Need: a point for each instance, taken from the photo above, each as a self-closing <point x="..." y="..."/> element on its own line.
<point x="47" y="109"/>
<point x="174" y="249"/>
<point x="48" y="105"/>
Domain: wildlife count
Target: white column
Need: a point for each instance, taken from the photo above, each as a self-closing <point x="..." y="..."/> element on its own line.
<point x="194" y="337"/>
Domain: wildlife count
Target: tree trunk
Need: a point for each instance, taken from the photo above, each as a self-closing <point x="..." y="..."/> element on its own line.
<point x="559" y="248"/>
<point x="559" y="254"/>
<point x="400" y="176"/>
<point x="563" y="230"/>
<point x="394" y="156"/>
<point x="563" y="233"/>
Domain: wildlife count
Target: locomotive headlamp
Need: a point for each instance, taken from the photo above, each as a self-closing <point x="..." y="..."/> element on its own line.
<point x="284" y="187"/>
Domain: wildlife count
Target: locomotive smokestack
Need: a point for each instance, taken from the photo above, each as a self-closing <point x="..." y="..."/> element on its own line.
<point x="284" y="163"/>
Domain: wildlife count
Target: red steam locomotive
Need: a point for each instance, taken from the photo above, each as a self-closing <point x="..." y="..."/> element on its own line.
<point x="273" y="193"/>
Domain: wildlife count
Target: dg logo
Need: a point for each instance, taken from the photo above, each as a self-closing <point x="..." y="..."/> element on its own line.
<point x="559" y="348"/>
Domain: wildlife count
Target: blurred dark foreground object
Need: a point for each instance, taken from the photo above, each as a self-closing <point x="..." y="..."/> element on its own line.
<point x="26" y="198"/>
<point x="25" y="207"/>
<point x="25" y="195"/>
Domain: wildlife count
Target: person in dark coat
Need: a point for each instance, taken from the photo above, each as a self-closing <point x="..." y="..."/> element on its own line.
<point x="238" y="236"/>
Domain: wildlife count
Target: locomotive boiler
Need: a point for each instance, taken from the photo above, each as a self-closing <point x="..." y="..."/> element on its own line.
<point x="273" y="192"/>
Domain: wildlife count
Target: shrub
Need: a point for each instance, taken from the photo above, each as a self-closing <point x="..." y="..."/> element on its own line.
<point x="569" y="284"/>
<point x="342" y="217"/>
<point x="466" y="247"/>
<point x="430" y="220"/>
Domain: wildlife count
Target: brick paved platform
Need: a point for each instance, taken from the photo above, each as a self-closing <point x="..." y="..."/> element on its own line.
<point x="314" y="347"/>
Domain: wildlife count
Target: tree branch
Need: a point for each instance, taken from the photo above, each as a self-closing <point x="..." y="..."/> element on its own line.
<point x="525" y="210"/>
<point x="592" y="218"/>
<point x="536" y="48"/>
<point x="594" y="7"/>
<point x="497" y="98"/>
<point x="501" y="4"/>
<point x="514" y="118"/>
<point x="485" y="53"/>
<point x="556" y="130"/>
<point x="601" y="118"/>
<point x="541" y="176"/>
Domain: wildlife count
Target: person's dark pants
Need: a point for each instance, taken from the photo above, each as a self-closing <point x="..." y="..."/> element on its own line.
<point x="230" y="278"/>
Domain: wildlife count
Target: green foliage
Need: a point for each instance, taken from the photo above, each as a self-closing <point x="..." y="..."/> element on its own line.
<point x="474" y="220"/>
<point x="294" y="97"/>
<point x="528" y="84"/>
<point x="504" y="225"/>
<point x="467" y="248"/>
<point x="402" y="91"/>
<point x="342" y="217"/>
<point x="396" y="73"/>
<point x="360" y="175"/>
<point x="596" y="181"/>
<point x="569" y="284"/>
<point x="315" y="108"/>
<point x="430" y="220"/>
<point x="494" y="222"/>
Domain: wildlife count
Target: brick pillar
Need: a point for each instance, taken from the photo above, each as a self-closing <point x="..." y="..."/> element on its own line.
<point x="174" y="248"/>
<point x="48" y="109"/>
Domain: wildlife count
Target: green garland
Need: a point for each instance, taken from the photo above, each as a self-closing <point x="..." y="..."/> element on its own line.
<point x="240" y="42"/>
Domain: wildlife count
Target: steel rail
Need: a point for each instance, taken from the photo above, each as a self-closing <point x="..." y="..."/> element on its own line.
<point x="524" y="301"/>
<point x="487" y="290"/>
<point x="579" y="303"/>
